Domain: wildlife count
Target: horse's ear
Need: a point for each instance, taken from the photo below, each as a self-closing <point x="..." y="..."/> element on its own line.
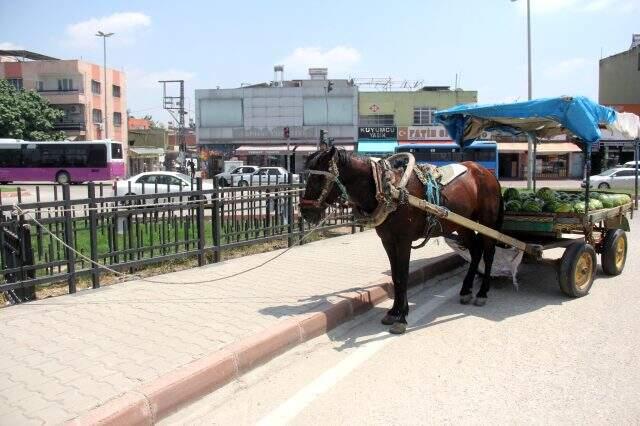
<point x="332" y="150"/>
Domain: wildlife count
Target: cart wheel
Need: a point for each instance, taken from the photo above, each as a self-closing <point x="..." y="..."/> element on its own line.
<point x="614" y="252"/>
<point x="577" y="269"/>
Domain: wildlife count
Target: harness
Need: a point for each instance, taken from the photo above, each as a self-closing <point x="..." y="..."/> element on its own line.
<point x="388" y="195"/>
<point x="332" y="176"/>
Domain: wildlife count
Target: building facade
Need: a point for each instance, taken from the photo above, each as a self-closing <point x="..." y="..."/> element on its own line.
<point x="619" y="79"/>
<point x="77" y="88"/>
<point x="276" y="123"/>
<point x="389" y="118"/>
<point x="619" y="88"/>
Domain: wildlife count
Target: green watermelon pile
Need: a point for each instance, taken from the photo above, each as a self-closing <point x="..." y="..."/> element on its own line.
<point x="550" y="201"/>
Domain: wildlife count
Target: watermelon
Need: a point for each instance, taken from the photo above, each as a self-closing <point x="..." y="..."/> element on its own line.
<point x="606" y="201"/>
<point x="511" y="194"/>
<point x="550" y="206"/>
<point x="564" y="208"/>
<point x="597" y="195"/>
<point x="531" y="206"/>
<point x="593" y="205"/>
<point x="546" y="194"/>
<point x="513" y="206"/>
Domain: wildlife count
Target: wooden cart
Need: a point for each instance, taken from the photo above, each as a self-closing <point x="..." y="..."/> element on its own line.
<point x="583" y="236"/>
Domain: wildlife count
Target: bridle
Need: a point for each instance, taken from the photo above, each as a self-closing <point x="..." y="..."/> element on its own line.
<point x="332" y="176"/>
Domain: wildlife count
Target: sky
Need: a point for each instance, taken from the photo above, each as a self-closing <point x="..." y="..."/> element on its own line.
<point x="213" y="44"/>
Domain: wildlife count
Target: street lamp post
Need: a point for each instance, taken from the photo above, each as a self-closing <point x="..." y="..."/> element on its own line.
<point x="531" y="159"/>
<point x="104" y="50"/>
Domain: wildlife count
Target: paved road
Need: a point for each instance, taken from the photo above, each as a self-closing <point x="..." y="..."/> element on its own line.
<point x="529" y="356"/>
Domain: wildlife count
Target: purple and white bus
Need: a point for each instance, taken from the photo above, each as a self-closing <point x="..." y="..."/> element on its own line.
<point x="60" y="161"/>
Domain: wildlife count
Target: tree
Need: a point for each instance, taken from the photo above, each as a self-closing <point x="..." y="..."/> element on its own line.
<point x="24" y="114"/>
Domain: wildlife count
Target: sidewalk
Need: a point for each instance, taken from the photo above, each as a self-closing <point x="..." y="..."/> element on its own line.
<point x="62" y="357"/>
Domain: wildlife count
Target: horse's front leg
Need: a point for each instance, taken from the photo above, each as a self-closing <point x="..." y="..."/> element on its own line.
<point x="392" y="314"/>
<point x="403" y="255"/>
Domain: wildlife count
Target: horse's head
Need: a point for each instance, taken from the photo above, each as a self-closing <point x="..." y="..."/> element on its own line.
<point x="321" y="189"/>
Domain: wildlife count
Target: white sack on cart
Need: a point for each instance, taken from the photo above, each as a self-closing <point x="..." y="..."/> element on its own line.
<point x="505" y="262"/>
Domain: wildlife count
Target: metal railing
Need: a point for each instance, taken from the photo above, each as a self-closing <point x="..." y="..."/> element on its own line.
<point x="128" y="232"/>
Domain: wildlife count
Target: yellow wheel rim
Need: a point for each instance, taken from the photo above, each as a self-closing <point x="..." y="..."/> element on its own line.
<point x="583" y="271"/>
<point x="620" y="253"/>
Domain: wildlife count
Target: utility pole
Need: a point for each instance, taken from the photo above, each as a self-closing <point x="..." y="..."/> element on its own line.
<point x="104" y="51"/>
<point x="175" y="105"/>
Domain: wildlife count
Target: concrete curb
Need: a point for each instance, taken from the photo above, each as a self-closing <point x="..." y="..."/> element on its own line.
<point x="162" y="396"/>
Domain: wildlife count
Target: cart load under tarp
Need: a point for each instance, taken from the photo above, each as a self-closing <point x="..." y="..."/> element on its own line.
<point x="543" y="118"/>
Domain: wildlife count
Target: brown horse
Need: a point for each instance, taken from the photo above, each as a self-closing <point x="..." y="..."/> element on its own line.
<point x="476" y="195"/>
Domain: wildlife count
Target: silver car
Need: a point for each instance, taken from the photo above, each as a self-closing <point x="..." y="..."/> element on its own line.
<point x="618" y="178"/>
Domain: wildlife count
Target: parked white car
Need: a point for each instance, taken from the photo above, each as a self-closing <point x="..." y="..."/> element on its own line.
<point x="234" y="176"/>
<point x="631" y="164"/>
<point x="618" y="178"/>
<point x="157" y="182"/>
<point x="268" y="176"/>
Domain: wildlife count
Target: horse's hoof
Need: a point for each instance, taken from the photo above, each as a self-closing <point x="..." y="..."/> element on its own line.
<point x="398" y="328"/>
<point x="480" y="301"/>
<point x="389" y="319"/>
<point x="466" y="299"/>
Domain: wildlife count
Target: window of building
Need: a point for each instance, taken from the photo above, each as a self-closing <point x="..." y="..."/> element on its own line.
<point x="95" y="87"/>
<point x="423" y="116"/>
<point x="117" y="119"/>
<point x="116" y="91"/>
<point x="377" y="120"/>
<point x="39" y="86"/>
<point x="97" y="115"/>
<point x="15" y="82"/>
<point x="65" y="84"/>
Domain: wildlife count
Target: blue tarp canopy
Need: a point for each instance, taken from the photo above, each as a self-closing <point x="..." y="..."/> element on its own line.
<point x="576" y="116"/>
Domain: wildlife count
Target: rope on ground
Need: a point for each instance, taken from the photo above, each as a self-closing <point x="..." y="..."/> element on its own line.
<point x="123" y="275"/>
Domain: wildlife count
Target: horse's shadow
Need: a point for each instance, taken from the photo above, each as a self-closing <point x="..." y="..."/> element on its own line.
<point x="538" y="288"/>
<point x="317" y="302"/>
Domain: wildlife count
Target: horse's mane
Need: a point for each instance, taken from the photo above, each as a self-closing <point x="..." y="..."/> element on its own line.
<point x="344" y="157"/>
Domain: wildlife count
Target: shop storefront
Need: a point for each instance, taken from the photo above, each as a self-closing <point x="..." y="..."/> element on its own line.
<point x="377" y="141"/>
<point x="554" y="160"/>
<point x="144" y="159"/>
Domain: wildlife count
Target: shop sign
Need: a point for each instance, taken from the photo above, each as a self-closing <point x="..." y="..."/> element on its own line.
<point x="388" y="132"/>
<point x="423" y="133"/>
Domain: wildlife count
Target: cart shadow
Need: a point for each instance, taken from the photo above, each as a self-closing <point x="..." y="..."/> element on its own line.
<point x="538" y="289"/>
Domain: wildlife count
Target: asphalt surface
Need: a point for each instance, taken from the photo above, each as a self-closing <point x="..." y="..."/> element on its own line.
<point x="528" y="356"/>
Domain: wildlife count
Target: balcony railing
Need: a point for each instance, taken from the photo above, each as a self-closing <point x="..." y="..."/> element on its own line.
<point x="60" y="91"/>
<point x="70" y="125"/>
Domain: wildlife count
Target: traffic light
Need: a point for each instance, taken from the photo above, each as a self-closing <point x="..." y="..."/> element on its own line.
<point x="329" y="86"/>
<point x="322" y="132"/>
<point x="286" y="133"/>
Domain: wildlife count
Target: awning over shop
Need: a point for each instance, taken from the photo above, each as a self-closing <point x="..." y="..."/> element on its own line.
<point x="282" y="149"/>
<point x="140" y="152"/>
<point x="377" y="147"/>
<point x="542" y="148"/>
